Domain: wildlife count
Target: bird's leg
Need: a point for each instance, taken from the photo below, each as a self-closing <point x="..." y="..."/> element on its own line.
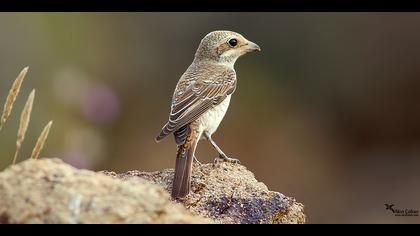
<point x="197" y="161"/>
<point x="222" y="156"/>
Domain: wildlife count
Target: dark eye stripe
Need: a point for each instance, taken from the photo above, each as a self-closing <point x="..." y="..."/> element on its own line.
<point x="233" y="42"/>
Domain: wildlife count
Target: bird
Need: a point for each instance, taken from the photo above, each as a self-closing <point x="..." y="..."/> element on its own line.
<point x="201" y="99"/>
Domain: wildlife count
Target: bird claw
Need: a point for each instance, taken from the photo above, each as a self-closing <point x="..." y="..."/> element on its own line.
<point x="223" y="158"/>
<point x="197" y="161"/>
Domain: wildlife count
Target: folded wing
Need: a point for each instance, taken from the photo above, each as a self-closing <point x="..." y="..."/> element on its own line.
<point x="194" y="96"/>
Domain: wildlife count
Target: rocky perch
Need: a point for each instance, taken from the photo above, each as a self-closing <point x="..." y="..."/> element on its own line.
<point x="50" y="191"/>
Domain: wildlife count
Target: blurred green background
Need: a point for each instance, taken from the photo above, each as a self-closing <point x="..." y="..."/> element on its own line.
<point x="328" y="112"/>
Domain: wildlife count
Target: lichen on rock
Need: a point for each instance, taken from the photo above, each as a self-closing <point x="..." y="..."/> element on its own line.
<point x="228" y="193"/>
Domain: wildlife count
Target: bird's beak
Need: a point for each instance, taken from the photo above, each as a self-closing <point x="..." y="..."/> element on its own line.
<point x="253" y="47"/>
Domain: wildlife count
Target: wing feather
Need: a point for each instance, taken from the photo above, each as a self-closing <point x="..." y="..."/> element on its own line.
<point x="196" y="95"/>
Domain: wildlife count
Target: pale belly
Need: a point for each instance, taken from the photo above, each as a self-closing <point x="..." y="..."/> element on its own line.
<point x="210" y="120"/>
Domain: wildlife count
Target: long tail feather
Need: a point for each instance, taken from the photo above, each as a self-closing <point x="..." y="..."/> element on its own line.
<point x="183" y="167"/>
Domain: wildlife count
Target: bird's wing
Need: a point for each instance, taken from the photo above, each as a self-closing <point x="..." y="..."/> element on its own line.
<point x="194" y="96"/>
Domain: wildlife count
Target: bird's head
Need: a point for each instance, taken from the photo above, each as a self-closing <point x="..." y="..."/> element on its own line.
<point x="224" y="47"/>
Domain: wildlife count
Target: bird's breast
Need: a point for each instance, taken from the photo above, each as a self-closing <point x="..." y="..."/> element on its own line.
<point x="211" y="119"/>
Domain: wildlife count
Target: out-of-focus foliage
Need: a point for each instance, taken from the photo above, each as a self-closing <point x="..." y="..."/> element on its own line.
<point x="328" y="112"/>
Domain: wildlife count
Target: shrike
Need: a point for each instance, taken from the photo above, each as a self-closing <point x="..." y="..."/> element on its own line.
<point x="201" y="99"/>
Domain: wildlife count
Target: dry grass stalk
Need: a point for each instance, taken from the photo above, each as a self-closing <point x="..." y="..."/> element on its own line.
<point x="25" y="117"/>
<point x="11" y="97"/>
<point x="41" y="141"/>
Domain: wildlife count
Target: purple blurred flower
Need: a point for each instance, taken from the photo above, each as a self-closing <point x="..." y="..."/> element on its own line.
<point x="101" y="105"/>
<point x="76" y="159"/>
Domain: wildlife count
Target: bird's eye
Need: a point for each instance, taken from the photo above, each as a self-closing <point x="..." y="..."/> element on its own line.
<point x="233" y="42"/>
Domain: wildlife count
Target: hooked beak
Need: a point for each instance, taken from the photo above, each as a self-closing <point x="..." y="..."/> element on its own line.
<point x="253" y="47"/>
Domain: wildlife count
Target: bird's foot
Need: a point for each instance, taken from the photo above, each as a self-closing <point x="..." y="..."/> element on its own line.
<point x="224" y="158"/>
<point x="197" y="161"/>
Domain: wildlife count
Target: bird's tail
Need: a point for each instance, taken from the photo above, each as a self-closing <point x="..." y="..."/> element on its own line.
<point x="183" y="167"/>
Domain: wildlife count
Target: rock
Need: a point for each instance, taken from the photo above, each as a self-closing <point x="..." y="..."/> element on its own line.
<point x="227" y="193"/>
<point x="50" y="191"/>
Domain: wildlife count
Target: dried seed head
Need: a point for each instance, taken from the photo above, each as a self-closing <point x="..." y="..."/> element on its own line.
<point x="25" y="117"/>
<point x="11" y="97"/>
<point x="41" y="141"/>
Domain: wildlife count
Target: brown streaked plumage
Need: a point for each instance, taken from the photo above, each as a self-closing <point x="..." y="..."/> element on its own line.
<point x="201" y="99"/>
